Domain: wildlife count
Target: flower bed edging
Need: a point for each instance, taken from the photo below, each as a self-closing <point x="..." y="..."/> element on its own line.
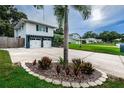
<point x="99" y="81"/>
<point x="75" y="85"/>
<point x="84" y="85"/>
<point x="66" y="84"/>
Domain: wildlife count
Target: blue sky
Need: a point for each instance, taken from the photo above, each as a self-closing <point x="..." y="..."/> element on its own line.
<point x="102" y="18"/>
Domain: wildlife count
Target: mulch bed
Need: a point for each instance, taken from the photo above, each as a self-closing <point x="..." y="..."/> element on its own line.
<point x="51" y="73"/>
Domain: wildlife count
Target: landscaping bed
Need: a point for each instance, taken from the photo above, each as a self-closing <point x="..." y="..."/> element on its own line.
<point x="75" y="74"/>
<point x="51" y="73"/>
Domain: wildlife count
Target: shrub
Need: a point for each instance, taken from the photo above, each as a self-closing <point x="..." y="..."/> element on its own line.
<point x="86" y="68"/>
<point x="77" y="62"/>
<point x="67" y="70"/>
<point x="58" y="69"/>
<point x="76" y="71"/>
<point x="57" y="40"/>
<point x="61" y="62"/>
<point x="45" y="62"/>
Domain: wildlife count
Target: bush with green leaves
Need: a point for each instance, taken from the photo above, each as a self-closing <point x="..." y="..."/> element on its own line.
<point x="45" y="62"/>
<point x="62" y="62"/>
<point x="80" y="65"/>
<point x="76" y="65"/>
<point x="58" y="40"/>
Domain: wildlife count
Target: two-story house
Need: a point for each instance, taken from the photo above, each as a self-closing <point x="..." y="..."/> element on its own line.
<point x="36" y="34"/>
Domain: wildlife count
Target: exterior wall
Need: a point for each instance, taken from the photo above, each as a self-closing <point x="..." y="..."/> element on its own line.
<point x="31" y="30"/>
<point x="20" y="32"/>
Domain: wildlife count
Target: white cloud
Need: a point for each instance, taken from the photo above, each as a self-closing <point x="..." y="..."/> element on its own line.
<point x="104" y="15"/>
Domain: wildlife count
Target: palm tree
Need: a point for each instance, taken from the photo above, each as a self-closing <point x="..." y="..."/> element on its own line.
<point x="62" y="11"/>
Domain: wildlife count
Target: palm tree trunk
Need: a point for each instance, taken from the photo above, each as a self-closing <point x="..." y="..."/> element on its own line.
<point x="66" y="36"/>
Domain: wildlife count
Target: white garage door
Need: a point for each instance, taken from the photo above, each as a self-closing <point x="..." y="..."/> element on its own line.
<point x="35" y="43"/>
<point x="46" y="43"/>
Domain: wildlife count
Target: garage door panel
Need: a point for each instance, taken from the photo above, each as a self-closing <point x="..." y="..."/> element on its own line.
<point x="35" y="43"/>
<point x="46" y="43"/>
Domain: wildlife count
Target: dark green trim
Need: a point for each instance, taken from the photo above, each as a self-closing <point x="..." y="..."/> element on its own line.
<point x="36" y="27"/>
<point x="42" y="42"/>
<point x="46" y="29"/>
<point x="52" y="42"/>
<point x="27" y="41"/>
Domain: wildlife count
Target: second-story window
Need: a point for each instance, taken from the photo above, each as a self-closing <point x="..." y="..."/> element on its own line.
<point x="41" y="28"/>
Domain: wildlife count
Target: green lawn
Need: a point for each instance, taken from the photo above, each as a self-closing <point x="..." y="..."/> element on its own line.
<point x="17" y="77"/>
<point x="101" y="48"/>
<point x="13" y="76"/>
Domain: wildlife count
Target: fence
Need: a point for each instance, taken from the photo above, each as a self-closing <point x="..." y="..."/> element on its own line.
<point x="9" y="42"/>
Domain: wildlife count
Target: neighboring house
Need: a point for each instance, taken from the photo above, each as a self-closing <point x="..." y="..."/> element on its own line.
<point x="75" y="38"/>
<point x="36" y="34"/>
<point x="92" y="40"/>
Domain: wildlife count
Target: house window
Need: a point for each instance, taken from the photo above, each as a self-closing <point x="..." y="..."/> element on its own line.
<point x="41" y="28"/>
<point x="46" y="29"/>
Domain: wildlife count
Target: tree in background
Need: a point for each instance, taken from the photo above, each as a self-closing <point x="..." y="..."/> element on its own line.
<point x="58" y="37"/>
<point x="108" y="36"/>
<point x="58" y="40"/>
<point x="122" y="37"/>
<point x="9" y="17"/>
<point x="114" y="35"/>
<point x="90" y="34"/>
<point x="59" y="31"/>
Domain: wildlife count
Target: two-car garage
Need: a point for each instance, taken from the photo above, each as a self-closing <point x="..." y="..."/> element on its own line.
<point x="38" y="42"/>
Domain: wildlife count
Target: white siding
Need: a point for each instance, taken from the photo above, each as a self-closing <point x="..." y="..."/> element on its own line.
<point x="31" y="30"/>
<point x="20" y="32"/>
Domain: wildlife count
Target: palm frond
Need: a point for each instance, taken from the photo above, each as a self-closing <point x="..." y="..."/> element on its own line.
<point x="59" y="13"/>
<point x="85" y="10"/>
<point x="38" y="6"/>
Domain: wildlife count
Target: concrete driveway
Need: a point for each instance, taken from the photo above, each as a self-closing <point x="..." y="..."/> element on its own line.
<point x="111" y="64"/>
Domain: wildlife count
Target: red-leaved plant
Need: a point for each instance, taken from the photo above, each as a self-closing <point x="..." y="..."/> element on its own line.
<point x="58" y="69"/>
<point x="34" y="62"/>
<point x="67" y="71"/>
<point x="45" y="62"/>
